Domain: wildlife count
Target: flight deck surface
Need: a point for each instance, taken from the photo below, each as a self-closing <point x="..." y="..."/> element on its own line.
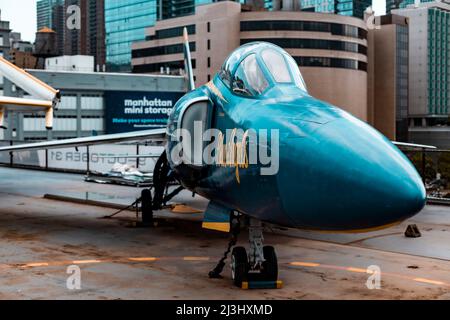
<point x="41" y="238"/>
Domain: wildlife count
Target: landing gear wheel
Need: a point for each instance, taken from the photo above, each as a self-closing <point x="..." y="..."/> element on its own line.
<point x="239" y="266"/>
<point x="270" y="265"/>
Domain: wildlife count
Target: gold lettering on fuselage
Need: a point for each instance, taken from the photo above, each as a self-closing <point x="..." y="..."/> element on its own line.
<point x="211" y="86"/>
<point x="232" y="154"/>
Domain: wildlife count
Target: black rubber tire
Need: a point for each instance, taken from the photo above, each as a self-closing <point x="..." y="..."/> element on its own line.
<point x="270" y="266"/>
<point x="239" y="266"/>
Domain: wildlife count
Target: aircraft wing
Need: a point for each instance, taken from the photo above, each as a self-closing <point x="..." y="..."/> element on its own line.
<point x="49" y="97"/>
<point x="413" y="145"/>
<point x="25" y="104"/>
<point x="146" y="135"/>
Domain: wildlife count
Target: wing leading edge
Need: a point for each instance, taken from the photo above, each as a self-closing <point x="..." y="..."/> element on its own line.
<point x="413" y="145"/>
<point x="149" y="135"/>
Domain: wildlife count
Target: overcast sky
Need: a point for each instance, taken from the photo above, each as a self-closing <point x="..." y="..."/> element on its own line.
<point x="22" y="15"/>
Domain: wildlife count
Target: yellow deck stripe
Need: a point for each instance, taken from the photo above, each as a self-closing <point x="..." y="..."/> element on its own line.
<point x="439" y="283"/>
<point x="37" y="264"/>
<point x="195" y="258"/>
<point x="305" y="264"/>
<point x="358" y="270"/>
<point x="86" y="261"/>
<point x="148" y="259"/>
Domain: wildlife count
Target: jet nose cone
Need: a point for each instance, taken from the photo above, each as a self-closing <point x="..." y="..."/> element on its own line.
<point x="410" y="195"/>
<point x="404" y="195"/>
<point x="347" y="176"/>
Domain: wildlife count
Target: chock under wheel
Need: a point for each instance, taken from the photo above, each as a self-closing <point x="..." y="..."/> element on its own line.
<point x="262" y="285"/>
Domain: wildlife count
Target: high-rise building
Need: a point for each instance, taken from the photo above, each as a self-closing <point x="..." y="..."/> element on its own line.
<point x="50" y="14"/>
<point x="176" y="8"/>
<point x="354" y="8"/>
<point x="330" y="49"/>
<point x="90" y="38"/>
<point x="45" y="13"/>
<point x="125" y="23"/>
<point x="5" y="46"/>
<point x="5" y="36"/>
<point x="401" y="4"/>
<point x="58" y="24"/>
<point x="167" y="9"/>
<point x="388" y="76"/>
<point x="429" y="72"/>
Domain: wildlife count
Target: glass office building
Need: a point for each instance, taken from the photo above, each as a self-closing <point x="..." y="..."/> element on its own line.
<point x="438" y="61"/>
<point x="352" y="8"/>
<point x="125" y="23"/>
<point x="394" y="4"/>
<point x="177" y="8"/>
<point x="44" y="10"/>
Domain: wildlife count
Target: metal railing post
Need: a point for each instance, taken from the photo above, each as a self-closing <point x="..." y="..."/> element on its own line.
<point x="137" y="159"/>
<point x="423" y="164"/>
<point x="11" y="155"/>
<point x="88" y="160"/>
<point x="46" y="159"/>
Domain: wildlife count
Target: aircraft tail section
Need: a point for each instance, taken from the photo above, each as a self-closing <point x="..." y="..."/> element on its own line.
<point x="217" y="217"/>
<point x="188" y="61"/>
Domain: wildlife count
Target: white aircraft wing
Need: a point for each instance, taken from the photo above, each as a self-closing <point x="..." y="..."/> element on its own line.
<point x="49" y="97"/>
<point x="413" y="145"/>
<point x="153" y="135"/>
<point x="25" y="104"/>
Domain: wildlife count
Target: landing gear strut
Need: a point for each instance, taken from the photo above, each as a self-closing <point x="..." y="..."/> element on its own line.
<point x="256" y="269"/>
<point x="162" y="176"/>
<point x="260" y="264"/>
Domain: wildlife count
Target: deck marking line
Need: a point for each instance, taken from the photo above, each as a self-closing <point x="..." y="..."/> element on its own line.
<point x="360" y="270"/>
<point x="439" y="283"/>
<point x="36" y="264"/>
<point x="145" y="259"/>
<point x="195" y="258"/>
<point x="87" y="261"/>
<point x="304" y="264"/>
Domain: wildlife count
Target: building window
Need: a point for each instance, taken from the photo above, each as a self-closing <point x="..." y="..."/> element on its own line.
<point x="208" y="26"/>
<point x="209" y="62"/>
<point x="156" y="67"/>
<point x="163" y="50"/>
<point x="320" y="44"/>
<point x="298" y="25"/>
<point x="209" y="44"/>
<point x="209" y="77"/>
<point x="331" y="63"/>
<point x="171" y="32"/>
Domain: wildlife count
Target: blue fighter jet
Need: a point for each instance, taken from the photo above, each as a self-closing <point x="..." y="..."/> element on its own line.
<point x="262" y="150"/>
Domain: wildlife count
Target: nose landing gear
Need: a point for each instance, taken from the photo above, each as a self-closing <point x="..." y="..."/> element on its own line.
<point x="256" y="269"/>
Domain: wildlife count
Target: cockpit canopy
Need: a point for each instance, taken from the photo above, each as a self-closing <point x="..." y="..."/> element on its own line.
<point x="256" y="66"/>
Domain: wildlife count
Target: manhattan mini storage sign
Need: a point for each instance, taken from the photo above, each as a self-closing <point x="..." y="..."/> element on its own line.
<point x="132" y="111"/>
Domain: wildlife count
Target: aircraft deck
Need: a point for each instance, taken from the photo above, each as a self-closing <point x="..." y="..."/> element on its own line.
<point x="40" y="238"/>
